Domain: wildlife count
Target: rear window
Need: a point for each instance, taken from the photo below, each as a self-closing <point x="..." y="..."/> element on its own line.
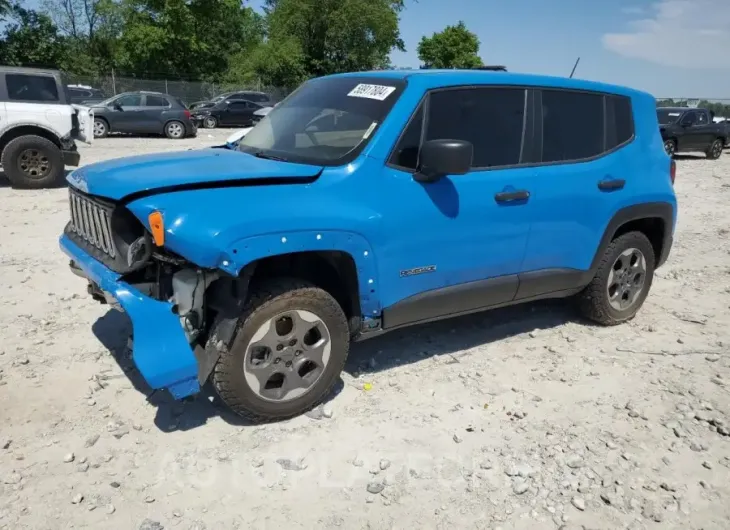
<point x="23" y="87"/>
<point x="572" y="125"/>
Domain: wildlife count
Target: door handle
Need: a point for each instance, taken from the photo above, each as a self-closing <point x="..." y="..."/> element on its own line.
<point x="512" y="196"/>
<point x="611" y="185"/>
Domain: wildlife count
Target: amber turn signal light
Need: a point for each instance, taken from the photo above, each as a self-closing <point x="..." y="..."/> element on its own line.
<point x="157" y="227"/>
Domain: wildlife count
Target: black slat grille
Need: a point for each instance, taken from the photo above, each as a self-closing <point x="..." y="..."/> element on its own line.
<point x="91" y="222"/>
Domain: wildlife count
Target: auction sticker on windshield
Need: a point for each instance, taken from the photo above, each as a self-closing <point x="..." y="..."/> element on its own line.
<point x="379" y="92"/>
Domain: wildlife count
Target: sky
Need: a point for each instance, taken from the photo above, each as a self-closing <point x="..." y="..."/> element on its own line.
<point x="670" y="48"/>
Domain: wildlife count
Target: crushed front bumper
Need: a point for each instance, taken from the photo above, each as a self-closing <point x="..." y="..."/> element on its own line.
<point x="160" y="349"/>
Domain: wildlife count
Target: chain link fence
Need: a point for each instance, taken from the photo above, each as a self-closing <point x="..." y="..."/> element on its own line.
<point x="188" y="91"/>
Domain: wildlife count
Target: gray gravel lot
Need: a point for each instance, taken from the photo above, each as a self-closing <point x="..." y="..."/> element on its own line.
<point x="523" y="418"/>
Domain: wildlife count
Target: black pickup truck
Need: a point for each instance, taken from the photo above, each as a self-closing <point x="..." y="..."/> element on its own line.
<point x="685" y="130"/>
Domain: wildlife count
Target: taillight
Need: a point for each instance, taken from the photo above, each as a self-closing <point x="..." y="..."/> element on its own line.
<point x="187" y="113"/>
<point x="672" y="170"/>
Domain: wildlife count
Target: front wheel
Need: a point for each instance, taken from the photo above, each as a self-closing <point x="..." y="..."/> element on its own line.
<point x="622" y="281"/>
<point x="670" y="147"/>
<point x="290" y="347"/>
<point x="210" y="122"/>
<point x="101" y="128"/>
<point x="715" y="150"/>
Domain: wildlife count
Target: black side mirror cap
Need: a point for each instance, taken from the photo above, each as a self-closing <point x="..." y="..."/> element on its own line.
<point x="439" y="158"/>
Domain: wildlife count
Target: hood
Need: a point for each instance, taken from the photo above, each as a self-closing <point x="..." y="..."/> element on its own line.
<point x="116" y="179"/>
<point x="236" y="136"/>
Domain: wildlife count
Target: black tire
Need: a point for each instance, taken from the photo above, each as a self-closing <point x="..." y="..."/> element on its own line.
<point x="102" y="126"/>
<point x="210" y="122"/>
<point x="670" y="147"/>
<point x="32" y="162"/>
<point x="265" y="302"/>
<point x="175" y="130"/>
<point x="715" y="150"/>
<point x="593" y="301"/>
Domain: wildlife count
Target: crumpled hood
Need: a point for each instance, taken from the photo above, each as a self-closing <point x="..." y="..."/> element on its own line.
<point x="116" y="179"/>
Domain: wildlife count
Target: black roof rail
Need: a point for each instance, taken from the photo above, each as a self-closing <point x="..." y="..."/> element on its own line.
<point x="494" y="68"/>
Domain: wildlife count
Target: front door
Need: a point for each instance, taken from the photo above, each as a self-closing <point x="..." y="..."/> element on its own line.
<point x="456" y="245"/>
<point x="127" y="114"/>
<point x="239" y="113"/>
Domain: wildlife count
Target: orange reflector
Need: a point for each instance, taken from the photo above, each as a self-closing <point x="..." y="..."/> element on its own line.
<point x="157" y="227"/>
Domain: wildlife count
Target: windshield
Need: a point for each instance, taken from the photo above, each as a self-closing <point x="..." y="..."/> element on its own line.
<point x="668" y="116"/>
<point x="326" y="121"/>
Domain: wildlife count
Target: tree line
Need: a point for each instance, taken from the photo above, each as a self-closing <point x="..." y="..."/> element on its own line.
<point x="220" y="41"/>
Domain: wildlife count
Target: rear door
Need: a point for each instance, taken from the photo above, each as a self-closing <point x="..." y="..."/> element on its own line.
<point x="583" y="172"/>
<point x="154" y="107"/>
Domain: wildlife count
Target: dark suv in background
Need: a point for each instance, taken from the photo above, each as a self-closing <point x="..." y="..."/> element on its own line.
<point x="688" y="129"/>
<point x="84" y="95"/>
<point x="143" y="113"/>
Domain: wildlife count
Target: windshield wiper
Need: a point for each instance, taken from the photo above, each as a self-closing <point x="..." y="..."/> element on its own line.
<point x="261" y="154"/>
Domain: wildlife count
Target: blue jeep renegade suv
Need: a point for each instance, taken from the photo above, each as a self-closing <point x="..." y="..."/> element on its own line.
<point x="367" y="202"/>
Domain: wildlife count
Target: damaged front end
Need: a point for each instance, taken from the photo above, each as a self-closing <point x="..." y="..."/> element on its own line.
<point x="167" y="298"/>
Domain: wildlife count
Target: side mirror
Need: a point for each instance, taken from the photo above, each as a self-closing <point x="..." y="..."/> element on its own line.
<point x="444" y="157"/>
<point x="117" y="106"/>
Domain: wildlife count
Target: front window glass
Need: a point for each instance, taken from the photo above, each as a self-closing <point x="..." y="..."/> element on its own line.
<point x="326" y="121"/>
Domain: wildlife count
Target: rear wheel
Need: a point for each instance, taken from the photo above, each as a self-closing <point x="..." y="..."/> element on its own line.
<point x="290" y="346"/>
<point x="715" y="150"/>
<point x="32" y="162"/>
<point x="175" y="130"/>
<point x="622" y="281"/>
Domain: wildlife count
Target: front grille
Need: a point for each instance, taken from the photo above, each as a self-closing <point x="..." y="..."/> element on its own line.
<point x="91" y="222"/>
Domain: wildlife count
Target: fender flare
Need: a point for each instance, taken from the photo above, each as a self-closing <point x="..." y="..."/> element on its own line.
<point x="9" y="127"/>
<point x="247" y="250"/>
<point x="658" y="210"/>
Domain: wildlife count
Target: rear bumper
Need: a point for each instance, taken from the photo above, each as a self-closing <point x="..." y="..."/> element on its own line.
<point x="160" y="350"/>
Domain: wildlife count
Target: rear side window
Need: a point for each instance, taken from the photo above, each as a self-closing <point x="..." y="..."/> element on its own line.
<point x="619" y="121"/>
<point x="156" y="101"/>
<point x="491" y="119"/>
<point x="31" y="88"/>
<point x="572" y="125"/>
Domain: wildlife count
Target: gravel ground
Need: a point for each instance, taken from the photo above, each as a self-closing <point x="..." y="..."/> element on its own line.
<point x="517" y="419"/>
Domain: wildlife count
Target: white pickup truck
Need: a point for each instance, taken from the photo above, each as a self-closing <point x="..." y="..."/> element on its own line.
<point x="38" y="127"/>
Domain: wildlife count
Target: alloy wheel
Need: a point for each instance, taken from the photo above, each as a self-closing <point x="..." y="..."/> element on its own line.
<point x="99" y="128"/>
<point x="175" y="130"/>
<point x="34" y="163"/>
<point x="287" y="355"/>
<point x="669" y="147"/>
<point x="626" y="279"/>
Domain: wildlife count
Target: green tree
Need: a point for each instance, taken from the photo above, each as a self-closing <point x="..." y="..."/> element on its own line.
<point x="31" y="39"/>
<point x="185" y="38"/>
<point x="454" y="47"/>
<point x="329" y="36"/>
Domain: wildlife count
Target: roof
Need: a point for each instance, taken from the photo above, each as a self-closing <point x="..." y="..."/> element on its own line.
<point x="434" y="78"/>
<point x="29" y="70"/>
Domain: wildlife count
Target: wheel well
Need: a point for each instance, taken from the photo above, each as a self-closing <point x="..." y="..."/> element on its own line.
<point x="652" y="227"/>
<point x="27" y="130"/>
<point x="333" y="271"/>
